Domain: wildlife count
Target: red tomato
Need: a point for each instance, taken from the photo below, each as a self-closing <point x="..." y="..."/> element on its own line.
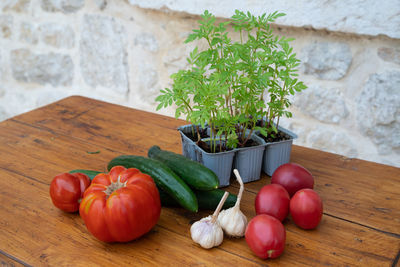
<point x="266" y="236"/>
<point x="120" y="206"/>
<point x="306" y="208"/>
<point x="292" y="177"/>
<point x="273" y="199"/>
<point x="66" y="190"/>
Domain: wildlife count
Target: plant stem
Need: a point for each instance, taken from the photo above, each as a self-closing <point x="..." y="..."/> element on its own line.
<point x="241" y="189"/>
<point x="281" y="101"/>
<point x="248" y="137"/>
<point x="218" y="209"/>
<point x="198" y="134"/>
<point x="220" y="143"/>
<point x="188" y="107"/>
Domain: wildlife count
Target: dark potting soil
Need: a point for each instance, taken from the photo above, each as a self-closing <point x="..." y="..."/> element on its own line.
<point x="206" y="147"/>
<point x="280" y="136"/>
<point x="194" y="138"/>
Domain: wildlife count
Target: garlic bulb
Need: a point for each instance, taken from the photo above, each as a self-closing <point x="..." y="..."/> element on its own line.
<point x="207" y="232"/>
<point x="232" y="220"/>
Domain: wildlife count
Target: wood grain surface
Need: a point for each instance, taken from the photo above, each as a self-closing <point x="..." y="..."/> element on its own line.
<point x="360" y="225"/>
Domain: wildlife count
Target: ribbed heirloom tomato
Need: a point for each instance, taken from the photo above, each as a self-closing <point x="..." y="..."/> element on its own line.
<point x="120" y="206"/>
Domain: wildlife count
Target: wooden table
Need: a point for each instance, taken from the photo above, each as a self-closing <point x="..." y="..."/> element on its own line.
<point x="360" y="225"/>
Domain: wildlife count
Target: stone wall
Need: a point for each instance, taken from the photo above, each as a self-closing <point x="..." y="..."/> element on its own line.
<point x="124" y="52"/>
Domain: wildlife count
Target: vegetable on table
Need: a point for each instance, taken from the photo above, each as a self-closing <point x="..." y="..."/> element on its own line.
<point x="207" y="200"/>
<point x="66" y="190"/>
<point x="266" y="236"/>
<point x="292" y="177"/>
<point x="274" y="200"/>
<point x="121" y="205"/>
<point x="207" y="232"/>
<point x="163" y="176"/>
<point x="306" y="208"/>
<point x="232" y="220"/>
<point x="196" y="175"/>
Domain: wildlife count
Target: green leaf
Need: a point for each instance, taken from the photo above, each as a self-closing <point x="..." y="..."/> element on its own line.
<point x="191" y="37"/>
<point x="160" y="106"/>
<point x="177" y="113"/>
<point x="215" y="41"/>
<point x="93" y="152"/>
<point x="262" y="130"/>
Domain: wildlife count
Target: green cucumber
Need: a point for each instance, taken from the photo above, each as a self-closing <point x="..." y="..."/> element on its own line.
<point x="89" y="173"/>
<point x="163" y="176"/>
<point x="167" y="200"/>
<point x="196" y="175"/>
<point x="207" y="200"/>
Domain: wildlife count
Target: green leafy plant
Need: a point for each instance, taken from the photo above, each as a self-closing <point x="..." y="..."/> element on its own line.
<point x="232" y="85"/>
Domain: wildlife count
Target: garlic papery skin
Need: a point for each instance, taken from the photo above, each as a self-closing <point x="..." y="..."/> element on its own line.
<point x="207" y="232"/>
<point x="232" y="220"/>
